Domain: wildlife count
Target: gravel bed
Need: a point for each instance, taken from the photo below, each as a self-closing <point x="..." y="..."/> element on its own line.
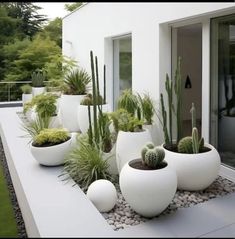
<point x="18" y="216"/>
<point x="122" y="216"/>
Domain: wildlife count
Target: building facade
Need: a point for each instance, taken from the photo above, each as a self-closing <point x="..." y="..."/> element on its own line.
<point x="140" y="42"/>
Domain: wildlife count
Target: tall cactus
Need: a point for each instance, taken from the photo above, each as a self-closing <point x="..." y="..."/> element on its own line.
<point x="169" y="89"/>
<point x="193" y="113"/>
<point x="178" y="92"/>
<point x="164" y="123"/>
<point x="195" y="141"/>
<point x="104" y="84"/>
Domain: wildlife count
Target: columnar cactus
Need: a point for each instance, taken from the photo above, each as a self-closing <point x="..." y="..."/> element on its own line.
<point x="195" y="141"/>
<point x="152" y="157"/>
<point x="193" y="113"/>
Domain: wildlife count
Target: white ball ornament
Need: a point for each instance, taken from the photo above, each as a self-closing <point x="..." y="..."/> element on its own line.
<point x="102" y="194"/>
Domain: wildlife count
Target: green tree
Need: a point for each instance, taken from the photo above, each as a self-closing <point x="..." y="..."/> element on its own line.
<point x="30" y="21"/>
<point x="73" y="6"/>
<point x="35" y="56"/>
<point x="53" y="30"/>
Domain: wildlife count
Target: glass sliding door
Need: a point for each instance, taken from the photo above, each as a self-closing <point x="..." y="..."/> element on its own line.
<point x="122" y="66"/>
<point x="222" y="133"/>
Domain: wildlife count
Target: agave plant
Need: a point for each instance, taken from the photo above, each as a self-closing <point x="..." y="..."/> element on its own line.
<point x="76" y="82"/>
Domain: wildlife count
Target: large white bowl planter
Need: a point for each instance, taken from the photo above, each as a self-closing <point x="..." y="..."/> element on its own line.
<point x="26" y="98"/>
<point x="68" y="111"/>
<point x="148" y="192"/>
<point x="194" y="171"/>
<point x="129" y="145"/>
<point x="82" y="114"/>
<point x="38" y="90"/>
<point x="153" y="131"/>
<point x="51" y="155"/>
<point x="111" y="159"/>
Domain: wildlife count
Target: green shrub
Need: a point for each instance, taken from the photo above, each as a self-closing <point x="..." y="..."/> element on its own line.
<point x="51" y="136"/>
<point x="85" y="165"/>
<point x="26" y="89"/>
<point x="88" y="100"/>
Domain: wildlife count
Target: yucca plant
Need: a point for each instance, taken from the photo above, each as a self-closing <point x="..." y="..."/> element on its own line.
<point x="85" y="164"/>
<point x="38" y="78"/>
<point x="76" y="82"/>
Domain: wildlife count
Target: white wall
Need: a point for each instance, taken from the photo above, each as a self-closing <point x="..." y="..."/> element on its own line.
<point x="92" y="27"/>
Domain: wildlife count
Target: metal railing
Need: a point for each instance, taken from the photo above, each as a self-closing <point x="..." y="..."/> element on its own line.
<point x="11" y="93"/>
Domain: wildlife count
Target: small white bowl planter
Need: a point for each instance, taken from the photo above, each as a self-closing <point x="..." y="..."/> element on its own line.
<point x="68" y="111"/>
<point x="194" y="171"/>
<point x="26" y="98"/>
<point x="148" y="192"/>
<point x="38" y="90"/>
<point x="82" y="114"/>
<point x="51" y="155"/>
<point x="129" y="145"/>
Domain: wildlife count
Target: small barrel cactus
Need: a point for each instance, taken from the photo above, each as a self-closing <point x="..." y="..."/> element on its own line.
<point x="152" y="157"/>
<point x="185" y="145"/>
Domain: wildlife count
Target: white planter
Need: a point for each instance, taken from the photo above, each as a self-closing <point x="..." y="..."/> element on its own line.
<point x="82" y="114"/>
<point x="226" y="135"/>
<point x="38" y="90"/>
<point x="194" y="171"/>
<point x="111" y="159"/>
<point x="52" y="155"/>
<point x="26" y="98"/>
<point x="129" y="145"/>
<point x="68" y="111"/>
<point x="148" y="192"/>
<point x="153" y="131"/>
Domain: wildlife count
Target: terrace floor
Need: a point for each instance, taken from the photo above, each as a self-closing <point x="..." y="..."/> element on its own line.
<point x="51" y="208"/>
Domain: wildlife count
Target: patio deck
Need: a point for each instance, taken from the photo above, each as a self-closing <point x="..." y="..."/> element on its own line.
<point x="51" y="208"/>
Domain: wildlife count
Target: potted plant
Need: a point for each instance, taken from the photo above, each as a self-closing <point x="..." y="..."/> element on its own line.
<point x="27" y="93"/>
<point x="50" y="146"/>
<point x="38" y="78"/>
<point x="45" y="106"/>
<point x="196" y="164"/>
<point x="75" y="87"/>
<point x="148" y="184"/>
<point x="130" y="137"/>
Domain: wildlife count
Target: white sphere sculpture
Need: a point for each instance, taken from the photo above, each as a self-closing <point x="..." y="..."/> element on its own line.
<point x="102" y="194"/>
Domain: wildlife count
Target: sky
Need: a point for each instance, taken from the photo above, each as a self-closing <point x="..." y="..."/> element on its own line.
<point x="52" y="9"/>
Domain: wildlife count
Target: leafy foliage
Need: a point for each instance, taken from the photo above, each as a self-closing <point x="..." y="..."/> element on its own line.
<point x="51" y="136"/>
<point x="122" y="120"/>
<point x="85" y="164"/>
<point x="73" y="6"/>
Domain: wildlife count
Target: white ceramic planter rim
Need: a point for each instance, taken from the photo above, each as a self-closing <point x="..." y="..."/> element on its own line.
<point x="211" y="147"/>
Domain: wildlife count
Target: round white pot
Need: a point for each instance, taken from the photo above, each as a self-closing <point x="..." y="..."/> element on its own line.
<point x="38" y="90"/>
<point x="82" y="114"/>
<point x="148" y="192"/>
<point x="111" y="159"/>
<point x="129" y="145"/>
<point x="51" y="155"/>
<point x="26" y="98"/>
<point x="194" y="171"/>
<point x="68" y="111"/>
